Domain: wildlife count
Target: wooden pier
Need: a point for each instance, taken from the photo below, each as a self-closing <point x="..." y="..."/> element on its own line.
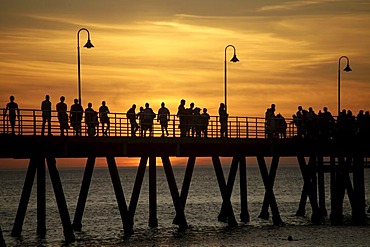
<point x="346" y="156"/>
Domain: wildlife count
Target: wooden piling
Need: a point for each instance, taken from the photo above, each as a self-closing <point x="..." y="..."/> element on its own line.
<point x="321" y="185"/>
<point x="137" y="188"/>
<point x="358" y="212"/>
<point x="310" y="187"/>
<point x="174" y="193"/>
<point x="244" y="214"/>
<point x="186" y="184"/>
<point x="41" y="198"/>
<point x="25" y="197"/>
<point x="61" y="201"/>
<point x="272" y="175"/>
<point x="222" y="216"/>
<point x="224" y="191"/>
<point x="276" y="219"/>
<point x="86" y="181"/>
<point x="336" y="215"/>
<point x="120" y="197"/>
<point x="153" y="220"/>
<point x="2" y="240"/>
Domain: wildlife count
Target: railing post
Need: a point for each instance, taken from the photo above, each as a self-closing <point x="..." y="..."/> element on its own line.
<point x="34" y="122"/>
<point x="115" y="124"/>
<point x="174" y="126"/>
<point x="246" y="127"/>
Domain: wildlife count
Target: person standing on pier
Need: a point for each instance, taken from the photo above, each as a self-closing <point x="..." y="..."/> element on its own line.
<point x="163" y="118"/>
<point x="76" y="117"/>
<point x="91" y="120"/>
<point x="270" y="121"/>
<point x="104" y="119"/>
<point x="62" y="116"/>
<point x="181" y="114"/>
<point x="13" y="112"/>
<point x="147" y="120"/>
<point x="131" y="115"/>
<point x="204" y="122"/>
<point x="190" y="120"/>
<point x="223" y="119"/>
<point x="46" y="115"/>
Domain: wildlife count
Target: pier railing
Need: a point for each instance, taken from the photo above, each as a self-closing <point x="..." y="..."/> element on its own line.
<point x="30" y="121"/>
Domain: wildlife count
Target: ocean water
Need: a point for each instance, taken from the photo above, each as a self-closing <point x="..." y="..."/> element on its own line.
<point x="102" y="224"/>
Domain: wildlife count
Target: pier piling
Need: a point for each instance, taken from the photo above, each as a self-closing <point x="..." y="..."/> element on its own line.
<point x="86" y="181"/>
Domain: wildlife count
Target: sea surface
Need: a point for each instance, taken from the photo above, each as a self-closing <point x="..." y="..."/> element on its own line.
<point x="102" y="224"/>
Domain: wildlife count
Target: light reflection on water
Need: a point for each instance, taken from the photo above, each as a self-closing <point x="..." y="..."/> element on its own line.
<point x="102" y="223"/>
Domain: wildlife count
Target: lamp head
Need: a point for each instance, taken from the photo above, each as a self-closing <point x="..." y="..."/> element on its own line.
<point x="88" y="44"/>
<point x="234" y="59"/>
<point x="347" y="68"/>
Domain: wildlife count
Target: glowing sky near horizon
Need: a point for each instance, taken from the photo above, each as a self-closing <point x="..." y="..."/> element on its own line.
<point x="154" y="51"/>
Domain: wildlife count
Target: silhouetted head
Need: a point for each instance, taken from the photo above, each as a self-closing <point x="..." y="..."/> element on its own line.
<point x="272" y="106"/>
<point x="62" y="98"/>
<point x="47" y="97"/>
<point x="141" y="108"/>
<point x="76" y="101"/>
<point x="325" y="109"/>
<point x="310" y="109"/>
<point x="300" y="108"/>
<point x="191" y="105"/>
<point x="162" y="104"/>
<point x="103" y="103"/>
<point x="12" y="98"/>
<point x="89" y="105"/>
<point x="182" y="102"/>
<point x="134" y="106"/>
<point x="204" y="110"/>
<point x="222" y="105"/>
<point x="146" y="105"/>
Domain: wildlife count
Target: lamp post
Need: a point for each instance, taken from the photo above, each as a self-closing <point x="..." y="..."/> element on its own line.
<point x="87" y="45"/>
<point x="234" y="60"/>
<point x="346" y="69"/>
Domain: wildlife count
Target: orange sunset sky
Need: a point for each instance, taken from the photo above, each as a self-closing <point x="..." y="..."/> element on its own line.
<point x="166" y="50"/>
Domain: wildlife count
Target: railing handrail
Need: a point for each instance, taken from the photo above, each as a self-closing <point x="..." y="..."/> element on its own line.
<point x="30" y="122"/>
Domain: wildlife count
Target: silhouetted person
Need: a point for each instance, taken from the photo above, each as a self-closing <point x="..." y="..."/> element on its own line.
<point x="140" y="117"/>
<point x="181" y="114"/>
<point x="91" y="120"/>
<point x="131" y="115"/>
<point x="104" y="119"/>
<point x="197" y="122"/>
<point x="204" y="122"/>
<point x="298" y="121"/>
<point x="311" y="123"/>
<point x="327" y="123"/>
<point x="163" y="118"/>
<point x="61" y="108"/>
<point x="270" y="121"/>
<point x="46" y="115"/>
<point x="280" y="126"/>
<point x="190" y="120"/>
<point x="13" y="112"/>
<point x="147" y="120"/>
<point x="76" y="117"/>
<point x="223" y="119"/>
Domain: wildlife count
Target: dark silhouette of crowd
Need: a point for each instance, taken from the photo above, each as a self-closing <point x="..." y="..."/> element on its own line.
<point x="322" y="125"/>
<point x="193" y="121"/>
